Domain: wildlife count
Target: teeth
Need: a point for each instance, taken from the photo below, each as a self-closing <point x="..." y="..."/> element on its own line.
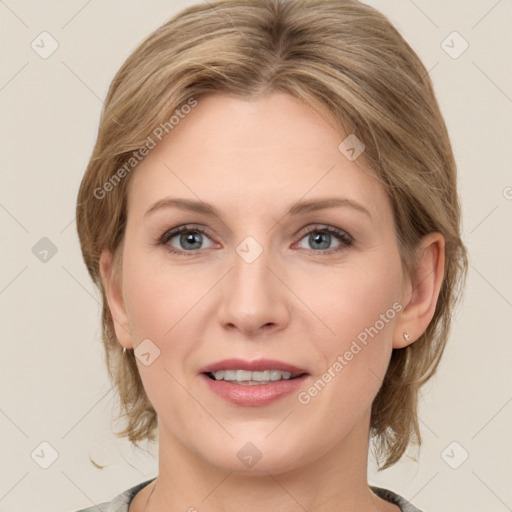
<point x="251" y="378"/>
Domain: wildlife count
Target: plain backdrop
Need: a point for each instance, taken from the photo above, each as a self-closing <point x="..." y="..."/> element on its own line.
<point x="54" y="385"/>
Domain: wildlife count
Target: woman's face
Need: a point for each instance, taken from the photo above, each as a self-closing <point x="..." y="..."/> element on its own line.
<point x="319" y="288"/>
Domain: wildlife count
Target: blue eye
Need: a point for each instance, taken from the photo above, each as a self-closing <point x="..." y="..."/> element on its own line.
<point x="189" y="239"/>
<point x="321" y="239"/>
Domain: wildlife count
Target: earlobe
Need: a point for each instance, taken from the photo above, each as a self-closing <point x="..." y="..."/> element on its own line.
<point x="422" y="291"/>
<point x="113" y="291"/>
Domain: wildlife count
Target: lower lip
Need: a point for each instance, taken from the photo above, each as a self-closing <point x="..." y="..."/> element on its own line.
<point x="257" y="395"/>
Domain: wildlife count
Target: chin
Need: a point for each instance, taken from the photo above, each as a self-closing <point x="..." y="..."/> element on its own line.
<point x="260" y="455"/>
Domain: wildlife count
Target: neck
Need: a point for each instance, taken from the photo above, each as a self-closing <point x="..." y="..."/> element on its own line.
<point x="336" y="481"/>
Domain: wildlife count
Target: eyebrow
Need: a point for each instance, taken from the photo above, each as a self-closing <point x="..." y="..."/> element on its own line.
<point x="300" y="207"/>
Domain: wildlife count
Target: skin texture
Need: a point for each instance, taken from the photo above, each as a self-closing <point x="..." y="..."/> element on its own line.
<point x="296" y="302"/>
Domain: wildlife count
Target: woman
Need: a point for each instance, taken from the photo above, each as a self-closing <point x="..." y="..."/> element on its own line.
<point x="271" y="215"/>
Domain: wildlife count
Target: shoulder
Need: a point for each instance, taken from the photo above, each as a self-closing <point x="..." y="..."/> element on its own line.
<point x="120" y="503"/>
<point x="396" y="499"/>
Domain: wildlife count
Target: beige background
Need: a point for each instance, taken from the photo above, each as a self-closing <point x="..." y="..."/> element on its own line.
<point x="52" y="376"/>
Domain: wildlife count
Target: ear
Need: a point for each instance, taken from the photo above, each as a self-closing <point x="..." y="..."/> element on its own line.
<point x="113" y="290"/>
<point x="421" y="291"/>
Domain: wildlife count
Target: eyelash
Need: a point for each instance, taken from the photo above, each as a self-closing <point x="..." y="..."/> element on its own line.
<point x="345" y="240"/>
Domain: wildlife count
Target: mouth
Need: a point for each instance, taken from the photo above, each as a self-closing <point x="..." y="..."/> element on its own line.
<point x="260" y="371"/>
<point x="253" y="383"/>
<point x="249" y="378"/>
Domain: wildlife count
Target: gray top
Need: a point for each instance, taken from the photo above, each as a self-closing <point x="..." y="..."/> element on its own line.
<point x="122" y="501"/>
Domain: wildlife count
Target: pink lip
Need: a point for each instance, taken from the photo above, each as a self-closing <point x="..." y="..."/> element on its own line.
<point x="259" y="365"/>
<point x="254" y="396"/>
<point x="257" y="395"/>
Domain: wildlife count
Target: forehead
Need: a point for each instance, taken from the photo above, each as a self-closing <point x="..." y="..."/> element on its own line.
<point x="253" y="154"/>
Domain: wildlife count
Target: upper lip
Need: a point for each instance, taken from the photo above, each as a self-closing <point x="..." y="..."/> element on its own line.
<point x="253" y="366"/>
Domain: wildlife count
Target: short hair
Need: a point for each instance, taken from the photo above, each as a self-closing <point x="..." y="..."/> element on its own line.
<point x="338" y="55"/>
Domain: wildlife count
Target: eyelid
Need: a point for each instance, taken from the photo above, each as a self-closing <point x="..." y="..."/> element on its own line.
<point x="345" y="239"/>
<point x="323" y="227"/>
<point x="177" y="230"/>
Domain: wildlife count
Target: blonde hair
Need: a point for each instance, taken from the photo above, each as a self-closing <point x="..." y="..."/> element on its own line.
<point x="340" y="55"/>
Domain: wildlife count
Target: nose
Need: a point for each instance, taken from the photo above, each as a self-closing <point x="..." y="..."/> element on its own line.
<point x="255" y="300"/>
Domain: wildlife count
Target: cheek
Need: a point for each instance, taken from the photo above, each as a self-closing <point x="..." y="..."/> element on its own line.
<point x="163" y="304"/>
<point x="346" y="302"/>
<point x="159" y="297"/>
<point x="160" y="305"/>
<point x="358" y="307"/>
